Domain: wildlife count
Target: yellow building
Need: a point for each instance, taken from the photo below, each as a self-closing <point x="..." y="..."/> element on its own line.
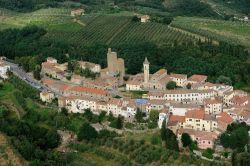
<point x="47" y="97"/>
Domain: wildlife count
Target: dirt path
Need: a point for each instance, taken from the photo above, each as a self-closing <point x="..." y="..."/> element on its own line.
<point x="80" y="22"/>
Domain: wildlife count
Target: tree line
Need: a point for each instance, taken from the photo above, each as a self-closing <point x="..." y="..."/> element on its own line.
<point x="28" y="47"/>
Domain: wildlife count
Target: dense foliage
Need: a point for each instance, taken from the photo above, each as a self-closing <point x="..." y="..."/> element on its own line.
<point x="188" y="58"/>
<point x="87" y="132"/>
<point x="240" y="5"/>
<point x="32" y="141"/>
<point x="169" y="137"/>
<point x="236" y="136"/>
<point x="191" y="8"/>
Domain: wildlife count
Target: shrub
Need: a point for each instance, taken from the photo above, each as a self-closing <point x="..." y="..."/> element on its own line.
<point x="87" y="132"/>
<point x="155" y="140"/>
<point x="208" y="153"/>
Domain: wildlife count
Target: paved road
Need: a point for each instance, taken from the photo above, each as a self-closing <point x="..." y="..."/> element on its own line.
<point x="19" y="72"/>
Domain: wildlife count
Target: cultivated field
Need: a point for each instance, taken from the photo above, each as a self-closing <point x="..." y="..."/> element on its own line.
<point x="234" y="32"/>
<point x="93" y="28"/>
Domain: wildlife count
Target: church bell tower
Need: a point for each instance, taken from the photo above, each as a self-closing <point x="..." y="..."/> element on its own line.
<point x="146" y="70"/>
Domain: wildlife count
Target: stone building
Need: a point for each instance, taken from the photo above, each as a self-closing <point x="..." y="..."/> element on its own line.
<point x="115" y="66"/>
<point x="77" y="12"/>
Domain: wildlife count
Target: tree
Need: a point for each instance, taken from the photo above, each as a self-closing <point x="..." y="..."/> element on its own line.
<point x="136" y="19"/>
<point x="139" y="116"/>
<point x="153" y="118"/>
<point x="172" y="143"/>
<point x="119" y="124"/>
<point x="236" y="136"/>
<point x="71" y="66"/>
<point x="88" y="114"/>
<point x="36" y="73"/>
<point x="167" y="20"/>
<point x="163" y="130"/>
<point x="52" y="139"/>
<point x="241" y="159"/>
<point x="224" y="80"/>
<point x="154" y="115"/>
<point x="186" y="139"/>
<point x="101" y="117"/>
<point x="171" y="85"/>
<point x="64" y="111"/>
<point x="208" y="153"/>
<point x="87" y="132"/>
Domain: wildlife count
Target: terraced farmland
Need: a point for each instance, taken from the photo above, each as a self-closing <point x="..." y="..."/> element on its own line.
<point x="117" y="29"/>
<point x="233" y="32"/>
<point x="93" y="28"/>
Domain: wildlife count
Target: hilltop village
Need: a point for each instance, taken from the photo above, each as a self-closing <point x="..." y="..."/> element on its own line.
<point x="193" y="105"/>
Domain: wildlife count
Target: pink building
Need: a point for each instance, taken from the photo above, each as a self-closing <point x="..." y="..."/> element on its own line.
<point x="204" y="139"/>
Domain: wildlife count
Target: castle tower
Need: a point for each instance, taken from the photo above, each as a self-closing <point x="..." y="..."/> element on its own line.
<point x="146" y="70"/>
<point x="112" y="61"/>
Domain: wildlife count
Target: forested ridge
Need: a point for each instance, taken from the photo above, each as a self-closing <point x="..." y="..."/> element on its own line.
<point x="180" y="7"/>
<point x="28" y="47"/>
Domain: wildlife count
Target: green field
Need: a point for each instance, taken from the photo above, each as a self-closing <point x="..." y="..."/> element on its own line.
<point x="234" y="32"/>
<point x="92" y="28"/>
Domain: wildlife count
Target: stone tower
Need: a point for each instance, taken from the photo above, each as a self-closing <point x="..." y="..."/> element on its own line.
<point x="146" y="70"/>
<point x="112" y="61"/>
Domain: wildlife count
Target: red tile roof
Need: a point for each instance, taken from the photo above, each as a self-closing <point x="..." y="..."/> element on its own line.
<point x="164" y="110"/>
<point x="48" y="82"/>
<point x="87" y="90"/>
<point x="240" y="100"/>
<point x="64" y="87"/>
<point x="225" y="118"/>
<point x="197" y="78"/>
<point x="245" y="113"/>
<point x="212" y="101"/>
<point x="196" y="114"/>
<point x="180" y="76"/>
<point x="176" y="118"/>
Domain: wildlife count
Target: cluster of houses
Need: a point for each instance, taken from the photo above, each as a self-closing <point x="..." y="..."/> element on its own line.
<point x="197" y="107"/>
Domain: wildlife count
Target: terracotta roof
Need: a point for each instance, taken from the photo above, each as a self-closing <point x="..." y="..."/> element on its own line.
<point x="245" y="113"/>
<point x="196" y="114"/>
<point x="197" y="78"/>
<point x="212" y="101"/>
<point x="64" y="87"/>
<point x="206" y="136"/>
<point x="176" y="118"/>
<point x="87" y="90"/>
<point x="164" y="80"/>
<point x="134" y="82"/>
<point x="45" y="93"/>
<point x="155" y="94"/>
<point x="161" y="71"/>
<point x="48" y="82"/>
<point x="156" y="102"/>
<point x="224" y="117"/>
<point x="164" y="110"/>
<point x="240" y="100"/>
<point x="180" y="76"/>
<point x="187" y="91"/>
<point x="114" y="101"/>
